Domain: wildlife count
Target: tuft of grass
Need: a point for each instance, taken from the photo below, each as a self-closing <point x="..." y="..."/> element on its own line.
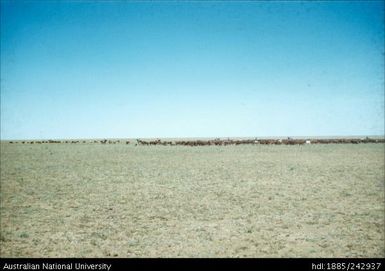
<point x="24" y="235"/>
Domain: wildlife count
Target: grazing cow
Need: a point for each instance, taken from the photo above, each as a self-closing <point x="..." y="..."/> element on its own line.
<point x="141" y="142"/>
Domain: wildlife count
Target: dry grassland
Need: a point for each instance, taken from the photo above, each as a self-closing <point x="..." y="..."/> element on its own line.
<point x="92" y="200"/>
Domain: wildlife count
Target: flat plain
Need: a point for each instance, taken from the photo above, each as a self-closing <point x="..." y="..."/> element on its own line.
<point x="118" y="200"/>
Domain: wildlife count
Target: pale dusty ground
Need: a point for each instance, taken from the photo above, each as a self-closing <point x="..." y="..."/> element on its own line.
<point x="92" y="200"/>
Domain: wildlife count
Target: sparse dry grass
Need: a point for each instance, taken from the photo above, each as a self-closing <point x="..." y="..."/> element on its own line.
<point x="91" y="200"/>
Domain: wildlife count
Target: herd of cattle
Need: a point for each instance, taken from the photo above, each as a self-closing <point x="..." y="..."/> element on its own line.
<point x="288" y="141"/>
<point x="216" y="142"/>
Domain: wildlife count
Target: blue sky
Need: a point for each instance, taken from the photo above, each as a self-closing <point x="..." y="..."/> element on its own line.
<point x="191" y="69"/>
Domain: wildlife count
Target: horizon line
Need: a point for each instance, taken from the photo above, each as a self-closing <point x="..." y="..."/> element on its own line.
<point x="201" y="137"/>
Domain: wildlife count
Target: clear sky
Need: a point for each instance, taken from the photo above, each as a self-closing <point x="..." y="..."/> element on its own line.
<point x="125" y="69"/>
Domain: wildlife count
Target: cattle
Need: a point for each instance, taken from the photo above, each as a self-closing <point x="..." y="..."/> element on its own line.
<point x="278" y="142"/>
<point x="141" y="142"/>
<point x="228" y="141"/>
